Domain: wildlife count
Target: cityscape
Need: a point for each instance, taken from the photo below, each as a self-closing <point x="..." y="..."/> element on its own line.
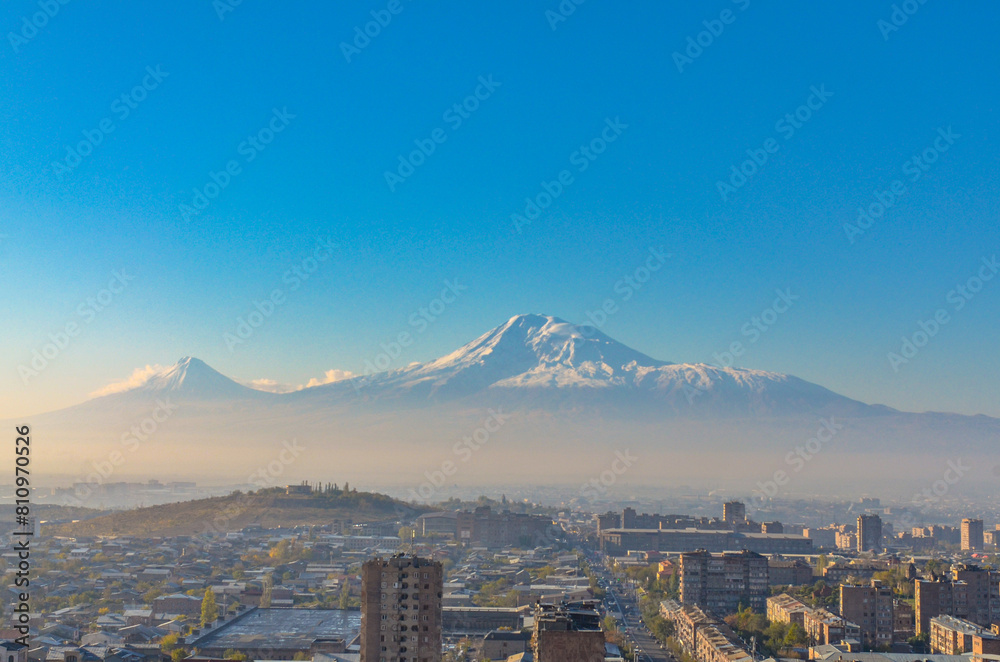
<point x="555" y="331"/>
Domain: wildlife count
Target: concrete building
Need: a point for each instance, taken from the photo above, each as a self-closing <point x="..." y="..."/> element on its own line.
<point x="972" y="534"/>
<point x="618" y="542"/>
<point x="972" y="593"/>
<point x="786" y="609"/>
<point x="869" y="533"/>
<point x="789" y="573"/>
<point x="734" y="511"/>
<point x="953" y="636"/>
<point x="701" y="635"/>
<point x="870" y="607"/>
<point x="569" y="631"/>
<point x="825" y="627"/>
<point x="401" y="610"/>
<point x="278" y="634"/>
<point x="501" y="644"/>
<point x="721" y="583"/>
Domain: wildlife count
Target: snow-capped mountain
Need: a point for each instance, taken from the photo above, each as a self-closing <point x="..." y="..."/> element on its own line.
<point x="189" y="378"/>
<point x="533" y="362"/>
<point x="537" y="361"/>
<point x="564" y="395"/>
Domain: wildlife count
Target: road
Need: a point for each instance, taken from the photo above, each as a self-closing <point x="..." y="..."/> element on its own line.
<point x="622" y="600"/>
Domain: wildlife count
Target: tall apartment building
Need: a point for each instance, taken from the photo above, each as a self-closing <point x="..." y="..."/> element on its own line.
<point x="972" y="534"/>
<point x="734" y="511"/>
<point x="869" y="533"/>
<point x="721" y="583"/>
<point x="401" y="610"/>
<point x="871" y="608"/>
<point x="972" y="593"/>
<point x="570" y="631"/>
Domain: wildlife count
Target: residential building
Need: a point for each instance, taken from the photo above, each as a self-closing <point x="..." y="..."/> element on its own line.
<point x="401" y="609"/>
<point x="870" y="607"/>
<point x="786" y="609"/>
<point x="569" y="631"/>
<point x="972" y="534"/>
<point x="721" y="583"/>
<point x="953" y="636"/>
<point x="869" y="533"/>
<point x="734" y="511"/>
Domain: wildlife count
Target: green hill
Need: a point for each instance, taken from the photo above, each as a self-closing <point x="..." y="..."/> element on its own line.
<point x="268" y="508"/>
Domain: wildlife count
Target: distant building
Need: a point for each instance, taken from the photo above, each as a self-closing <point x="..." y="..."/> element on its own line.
<point x="734" y="511"/>
<point x="299" y="490"/>
<point x="401" y="610"/>
<point x="720" y="583"/>
<point x="772" y="527"/>
<point x="972" y="534"/>
<point x="869" y="533"/>
<point x="618" y="542"/>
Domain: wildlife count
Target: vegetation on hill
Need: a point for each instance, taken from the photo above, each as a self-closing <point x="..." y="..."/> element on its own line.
<point x="269" y="507"/>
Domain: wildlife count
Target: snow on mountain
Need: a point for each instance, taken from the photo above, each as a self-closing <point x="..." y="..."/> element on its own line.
<point x="189" y="378"/>
<point x="538" y="362"/>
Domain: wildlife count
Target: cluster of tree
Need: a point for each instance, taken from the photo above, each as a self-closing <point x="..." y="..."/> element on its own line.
<point x="497" y="593"/>
<point x="771" y="637"/>
<point x="896" y="578"/>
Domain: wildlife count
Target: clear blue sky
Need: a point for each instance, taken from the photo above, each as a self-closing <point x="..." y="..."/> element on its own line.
<point x="62" y="234"/>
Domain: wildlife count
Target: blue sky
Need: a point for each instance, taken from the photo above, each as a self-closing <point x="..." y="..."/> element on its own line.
<point x="64" y="231"/>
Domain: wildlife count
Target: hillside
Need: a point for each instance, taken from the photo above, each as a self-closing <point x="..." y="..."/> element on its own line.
<point x="268" y="508"/>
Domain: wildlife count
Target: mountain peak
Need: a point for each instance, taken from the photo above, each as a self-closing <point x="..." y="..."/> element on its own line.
<point x="189" y="377"/>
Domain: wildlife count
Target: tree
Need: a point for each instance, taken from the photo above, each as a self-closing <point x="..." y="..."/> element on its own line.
<point x="169" y="642"/>
<point x="209" y="610"/>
